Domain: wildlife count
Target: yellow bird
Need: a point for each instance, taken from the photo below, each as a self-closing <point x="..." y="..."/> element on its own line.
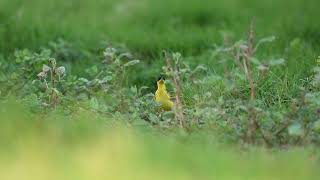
<point x="162" y="96"/>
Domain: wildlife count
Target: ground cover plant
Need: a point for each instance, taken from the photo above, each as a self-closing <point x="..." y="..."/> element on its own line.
<point x="77" y="84"/>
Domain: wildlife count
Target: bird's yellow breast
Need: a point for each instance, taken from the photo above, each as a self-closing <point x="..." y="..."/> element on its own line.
<point x="163" y="98"/>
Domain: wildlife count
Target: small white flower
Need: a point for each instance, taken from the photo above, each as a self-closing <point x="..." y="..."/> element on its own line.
<point x="110" y="52"/>
<point x="61" y="71"/>
<point x="42" y="75"/>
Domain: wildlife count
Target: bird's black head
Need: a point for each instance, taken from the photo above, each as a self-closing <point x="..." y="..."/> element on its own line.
<point x="161" y="78"/>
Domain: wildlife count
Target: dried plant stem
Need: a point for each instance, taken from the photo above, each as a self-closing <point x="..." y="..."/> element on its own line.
<point x="253" y="125"/>
<point x="53" y="96"/>
<point x="177" y="84"/>
<point x="247" y="57"/>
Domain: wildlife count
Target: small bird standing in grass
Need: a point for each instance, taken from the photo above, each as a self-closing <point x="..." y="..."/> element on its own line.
<point x="162" y="96"/>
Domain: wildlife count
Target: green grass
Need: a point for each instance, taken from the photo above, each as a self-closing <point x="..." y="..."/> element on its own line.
<point x="149" y="26"/>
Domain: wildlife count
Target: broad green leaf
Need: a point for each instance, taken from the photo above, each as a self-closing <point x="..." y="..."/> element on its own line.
<point x="267" y="39"/>
<point x="94" y="104"/>
<point x="316" y="125"/>
<point x="133" y="89"/>
<point x="255" y="61"/>
<point x="131" y="63"/>
<point x="45" y="68"/>
<point x="276" y="62"/>
<point x="295" y="129"/>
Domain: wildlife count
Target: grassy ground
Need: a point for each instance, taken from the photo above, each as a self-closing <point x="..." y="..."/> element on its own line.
<point x="106" y="123"/>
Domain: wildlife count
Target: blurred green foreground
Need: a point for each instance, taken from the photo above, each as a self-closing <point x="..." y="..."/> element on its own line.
<point x="53" y="147"/>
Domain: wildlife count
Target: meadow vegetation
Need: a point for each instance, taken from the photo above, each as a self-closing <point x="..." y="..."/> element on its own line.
<point x="77" y="83"/>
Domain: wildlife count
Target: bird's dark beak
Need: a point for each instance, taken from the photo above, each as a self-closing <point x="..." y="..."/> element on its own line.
<point x="161" y="80"/>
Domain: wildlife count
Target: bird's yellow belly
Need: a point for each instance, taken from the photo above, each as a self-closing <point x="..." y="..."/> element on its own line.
<point x="166" y="105"/>
<point x="164" y="101"/>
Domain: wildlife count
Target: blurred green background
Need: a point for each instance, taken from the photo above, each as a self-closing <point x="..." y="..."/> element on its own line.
<point x="148" y="26"/>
